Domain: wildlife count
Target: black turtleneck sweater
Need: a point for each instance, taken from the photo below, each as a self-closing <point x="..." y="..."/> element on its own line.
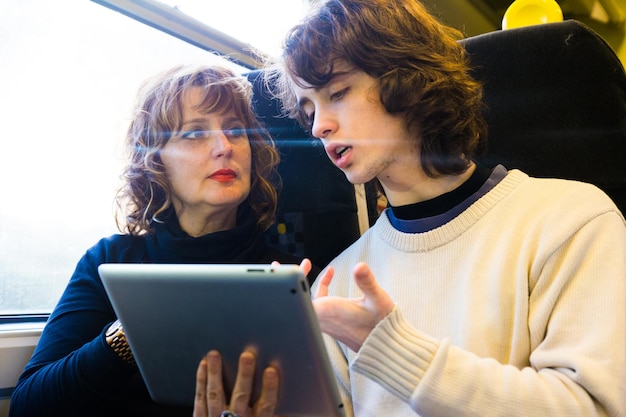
<point x="73" y="372"/>
<point x="430" y="214"/>
<point x="445" y="202"/>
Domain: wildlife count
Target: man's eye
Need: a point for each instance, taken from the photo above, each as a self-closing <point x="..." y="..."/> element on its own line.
<point x="339" y="94"/>
<point x="308" y="119"/>
<point x="306" y="116"/>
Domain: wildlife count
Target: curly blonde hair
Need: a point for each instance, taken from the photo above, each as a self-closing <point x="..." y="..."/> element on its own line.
<point x="146" y="192"/>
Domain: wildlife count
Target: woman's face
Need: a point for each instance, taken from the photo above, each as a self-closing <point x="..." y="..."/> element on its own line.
<point x="208" y="165"/>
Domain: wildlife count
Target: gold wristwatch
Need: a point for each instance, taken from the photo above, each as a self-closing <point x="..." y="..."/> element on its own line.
<point x="116" y="338"/>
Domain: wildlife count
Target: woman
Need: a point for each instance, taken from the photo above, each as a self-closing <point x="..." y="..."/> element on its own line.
<point x="198" y="189"/>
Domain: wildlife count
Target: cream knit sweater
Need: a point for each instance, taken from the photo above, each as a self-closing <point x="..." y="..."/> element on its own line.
<point x="517" y="307"/>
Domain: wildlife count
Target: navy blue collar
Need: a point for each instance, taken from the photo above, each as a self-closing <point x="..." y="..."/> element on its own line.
<point x="428" y="215"/>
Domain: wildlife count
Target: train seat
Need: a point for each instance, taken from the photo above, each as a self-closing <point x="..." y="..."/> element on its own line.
<point x="555" y="97"/>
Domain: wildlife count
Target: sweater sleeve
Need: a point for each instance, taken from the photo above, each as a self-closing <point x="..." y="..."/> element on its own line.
<point x="73" y="369"/>
<point x="577" y="364"/>
<point x="396" y="356"/>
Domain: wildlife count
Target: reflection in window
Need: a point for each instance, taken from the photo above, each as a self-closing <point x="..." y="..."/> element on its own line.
<point x="69" y="73"/>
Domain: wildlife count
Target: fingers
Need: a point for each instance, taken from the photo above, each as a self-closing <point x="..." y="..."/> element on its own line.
<point x="209" y="399"/>
<point x="365" y="279"/>
<point x="266" y="404"/>
<point x="306" y="266"/>
<point x="240" y="399"/>
<point x="324" y="281"/>
<point x="200" y="408"/>
<point x="374" y="297"/>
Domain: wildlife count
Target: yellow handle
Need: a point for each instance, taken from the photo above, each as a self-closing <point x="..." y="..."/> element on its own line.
<point x="531" y="12"/>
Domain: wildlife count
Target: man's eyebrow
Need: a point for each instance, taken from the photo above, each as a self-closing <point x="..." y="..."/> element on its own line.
<point x="340" y="75"/>
<point x="335" y="77"/>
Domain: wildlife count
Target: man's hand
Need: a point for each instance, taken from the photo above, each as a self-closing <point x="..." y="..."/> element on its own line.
<point x="350" y="320"/>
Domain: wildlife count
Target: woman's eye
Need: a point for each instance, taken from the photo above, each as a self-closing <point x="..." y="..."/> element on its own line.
<point x="238" y="132"/>
<point x="194" y="134"/>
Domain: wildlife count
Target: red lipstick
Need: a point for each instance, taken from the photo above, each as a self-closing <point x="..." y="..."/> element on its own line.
<point x="223" y="175"/>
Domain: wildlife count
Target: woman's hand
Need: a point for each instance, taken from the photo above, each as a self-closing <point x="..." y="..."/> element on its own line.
<point x="210" y="400"/>
<point x="305" y="266"/>
<point x="351" y="320"/>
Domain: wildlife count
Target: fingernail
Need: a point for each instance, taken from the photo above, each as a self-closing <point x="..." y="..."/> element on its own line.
<point x="271" y="373"/>
<point x="247" y="358"/>
<point x="213" y="358"/>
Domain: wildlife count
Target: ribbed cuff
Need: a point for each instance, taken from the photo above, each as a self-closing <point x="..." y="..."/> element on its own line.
<point x="395" y="355"/>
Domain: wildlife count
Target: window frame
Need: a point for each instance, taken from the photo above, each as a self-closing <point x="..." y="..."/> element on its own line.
<point x="8" y="320"/>
<point x="182" y="26"/>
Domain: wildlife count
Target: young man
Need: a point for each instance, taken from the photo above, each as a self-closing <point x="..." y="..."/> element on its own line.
<point x="478" y="291"/>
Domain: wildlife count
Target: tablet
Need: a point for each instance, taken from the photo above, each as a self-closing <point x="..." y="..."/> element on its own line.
<point x="174" y="314"/>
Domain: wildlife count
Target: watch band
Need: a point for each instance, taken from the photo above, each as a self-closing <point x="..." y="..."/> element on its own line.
<point x="116" y="338"/>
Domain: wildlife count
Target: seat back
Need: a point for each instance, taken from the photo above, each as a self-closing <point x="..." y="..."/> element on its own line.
<point x="556" y="103"/>
<point x="556" y="107"/>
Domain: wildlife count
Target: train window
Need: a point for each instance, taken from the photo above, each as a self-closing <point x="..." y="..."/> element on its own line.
<point x="261" y="24"/>
<point x="68" y="77"/>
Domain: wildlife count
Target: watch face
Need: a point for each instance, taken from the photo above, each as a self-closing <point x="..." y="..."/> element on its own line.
<point x="114" y="328"/>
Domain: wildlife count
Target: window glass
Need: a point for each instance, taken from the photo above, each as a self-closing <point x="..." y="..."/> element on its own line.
<point x="261" y="24"/>
<point x="69" y="73"/>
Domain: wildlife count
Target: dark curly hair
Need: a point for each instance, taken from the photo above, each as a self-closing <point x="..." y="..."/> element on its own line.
<point x="422" y="72"/>
<point x="146" y="192"/>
